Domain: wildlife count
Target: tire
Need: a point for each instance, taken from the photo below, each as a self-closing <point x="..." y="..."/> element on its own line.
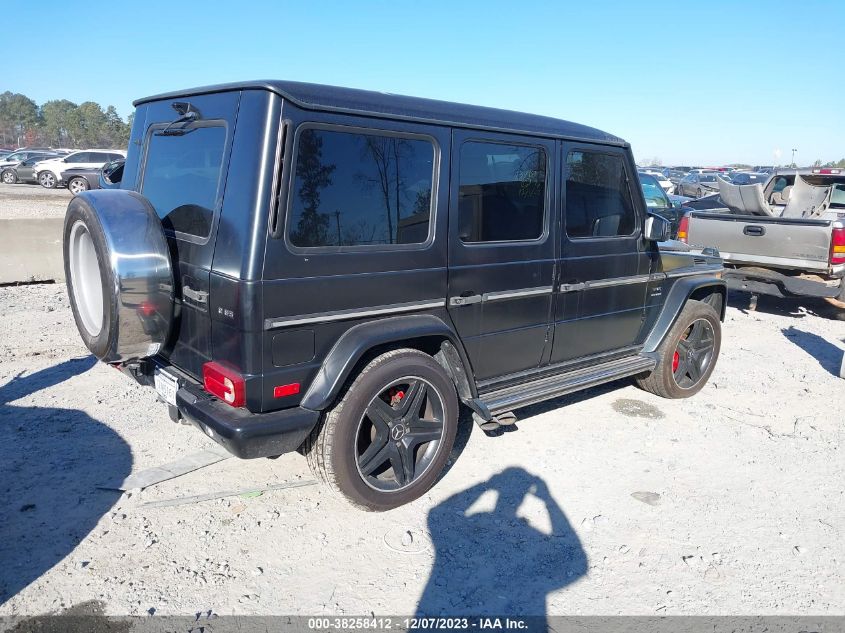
<point x="47" y="179"/>
<point x="89" y="280"/>
<point x="338" y="447"/>
<point x="9" y="177"/>
<point x="841" y="295"/>
<point x="77" y="184"/>
<point x="678" y="374"/>
<point x="123" y="305"/>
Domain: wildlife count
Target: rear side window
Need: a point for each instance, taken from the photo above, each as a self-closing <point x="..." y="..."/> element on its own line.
<point x="502" y="192"/>
<point x="598" y="203"/>
<point x="181" y="178"/>
<point x="360" y="189"/>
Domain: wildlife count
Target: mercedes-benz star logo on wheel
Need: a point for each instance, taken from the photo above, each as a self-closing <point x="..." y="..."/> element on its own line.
<point x="398" y="432"/>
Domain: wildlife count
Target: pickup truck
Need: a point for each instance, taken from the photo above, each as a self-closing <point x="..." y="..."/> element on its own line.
<point x="785" y="238"/>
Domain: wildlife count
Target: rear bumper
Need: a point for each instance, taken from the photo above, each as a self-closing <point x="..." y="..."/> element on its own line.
<point x="244" y="434"/>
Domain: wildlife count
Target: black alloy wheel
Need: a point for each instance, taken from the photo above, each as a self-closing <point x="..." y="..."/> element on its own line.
<point x="400" y="434"/>
<point x="694" y="354"/>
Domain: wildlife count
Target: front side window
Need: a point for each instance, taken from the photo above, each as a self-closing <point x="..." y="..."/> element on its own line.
<point x="502" y="194"/>
<point x="598" y="203"/>
<point x="181" y="178"/>
<point x="360" y="189"/>
<point x="655" y="198"/>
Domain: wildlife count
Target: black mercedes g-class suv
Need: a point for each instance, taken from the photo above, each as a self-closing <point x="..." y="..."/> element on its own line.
<point x="296" y="266"/>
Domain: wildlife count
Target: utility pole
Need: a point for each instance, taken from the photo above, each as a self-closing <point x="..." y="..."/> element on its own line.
<point x="793" y="156"/>
<point x="337" y="221"/>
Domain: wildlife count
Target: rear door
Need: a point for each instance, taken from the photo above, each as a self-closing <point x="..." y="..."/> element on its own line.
<point x="501" y="249"/>
<point x="181" y="170"/>
<point x="605" y="265"/>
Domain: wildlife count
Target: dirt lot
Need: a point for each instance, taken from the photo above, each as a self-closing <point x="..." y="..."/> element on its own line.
<point x="32" y="201"/>
<point x="609" y="502"/>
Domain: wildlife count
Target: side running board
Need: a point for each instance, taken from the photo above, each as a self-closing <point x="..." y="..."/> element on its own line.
<point x="524" y="394"/>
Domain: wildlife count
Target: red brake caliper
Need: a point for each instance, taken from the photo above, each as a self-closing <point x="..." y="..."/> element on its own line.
<point x="396" y="396"/>
<point x="676" y="360"/>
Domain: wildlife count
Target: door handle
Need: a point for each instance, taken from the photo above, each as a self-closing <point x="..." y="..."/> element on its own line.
<point x="200" y="296"/>
<point x="754" y="230"/>
<point x="466" y="298"/>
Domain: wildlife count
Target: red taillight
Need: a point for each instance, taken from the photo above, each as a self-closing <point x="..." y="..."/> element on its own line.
<point x="281" y="391"/>
<point x="683" y="229"/>
<point x="837" y="247"/>
<point x="225" y="383"/>
<point x="147" y="308"/>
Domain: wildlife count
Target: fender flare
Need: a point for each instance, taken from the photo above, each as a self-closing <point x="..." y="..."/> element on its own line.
<point x="678" y="296"/>
<point x="361" y="338"/>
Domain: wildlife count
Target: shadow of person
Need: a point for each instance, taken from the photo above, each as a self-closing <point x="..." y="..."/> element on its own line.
<point x="826" y="353"/>
<point x="495" y="562"/>
<point x="51" y="461"/>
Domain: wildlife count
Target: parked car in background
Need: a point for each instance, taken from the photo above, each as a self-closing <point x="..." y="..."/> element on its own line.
<point x="698" y="184"/>
<point x="23" y="171"/>
<point x="50" y="171"/>
<point x="81" y="179"/>
<point x="22" y="154"/>
<point x="674" y="175"/>
<point x="657" y="173"/>
<point x="748" y="178"/>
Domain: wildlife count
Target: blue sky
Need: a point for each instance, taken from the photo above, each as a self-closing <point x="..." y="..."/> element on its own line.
<point x="688" y="82"/>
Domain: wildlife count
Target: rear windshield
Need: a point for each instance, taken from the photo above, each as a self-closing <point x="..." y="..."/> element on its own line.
<point x="181" y="178"/>
<point x="837" y="196"/>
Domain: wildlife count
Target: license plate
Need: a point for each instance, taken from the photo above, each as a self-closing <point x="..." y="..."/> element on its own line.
<point x="166" y="385"/>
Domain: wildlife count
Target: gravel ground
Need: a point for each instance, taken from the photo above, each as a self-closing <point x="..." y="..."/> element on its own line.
<point x="32" y="201"/>
<point x="609" y="502"/>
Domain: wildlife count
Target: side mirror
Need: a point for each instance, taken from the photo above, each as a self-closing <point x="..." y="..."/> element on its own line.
<point x="657" y="228"/>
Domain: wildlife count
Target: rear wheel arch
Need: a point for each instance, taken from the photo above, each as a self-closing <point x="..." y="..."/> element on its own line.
<point x="359" y="345"/>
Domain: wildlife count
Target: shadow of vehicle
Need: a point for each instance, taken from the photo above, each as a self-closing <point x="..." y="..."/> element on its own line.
<point x="51" y="460"/>
<point x="828" y="354"/>
<point x="495" y="562"/>
<point x="792" y="307"/>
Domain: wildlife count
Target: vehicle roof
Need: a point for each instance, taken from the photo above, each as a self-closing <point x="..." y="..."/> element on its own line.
<point x="122" y="152"/>
<point x="386" y="105"/>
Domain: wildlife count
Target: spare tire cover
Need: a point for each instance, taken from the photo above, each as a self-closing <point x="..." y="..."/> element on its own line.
<point x="119" y="275"/>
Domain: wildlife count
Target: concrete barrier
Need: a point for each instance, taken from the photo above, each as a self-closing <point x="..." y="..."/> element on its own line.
<point x="31" y="250"/>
